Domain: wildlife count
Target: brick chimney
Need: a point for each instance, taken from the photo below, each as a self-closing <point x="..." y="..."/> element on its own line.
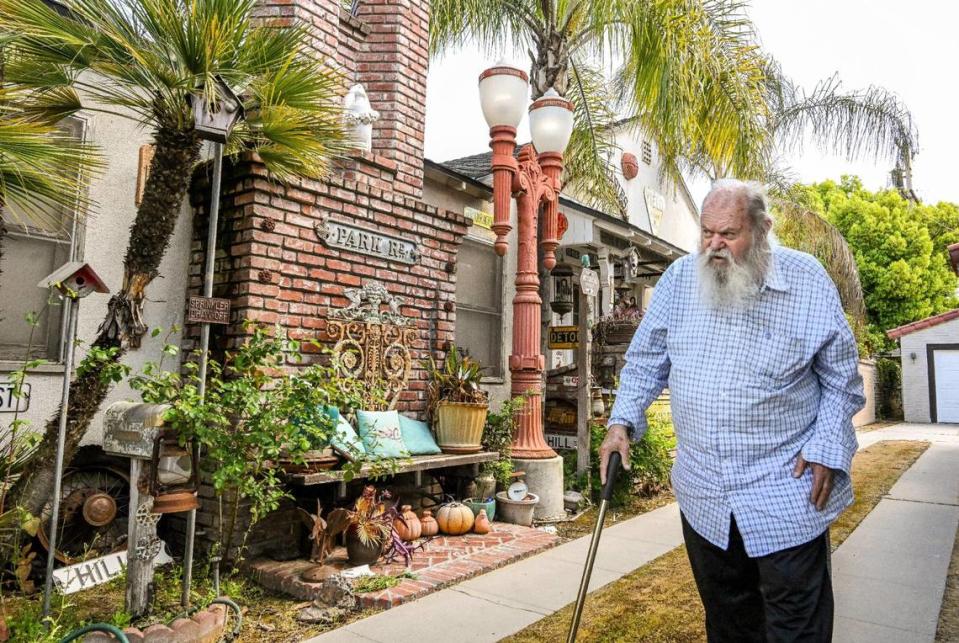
<point x="384" y="46"/>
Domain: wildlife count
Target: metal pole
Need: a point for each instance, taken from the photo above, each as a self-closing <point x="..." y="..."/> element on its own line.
<point x="204" y="349"/>
<point x="72" y="307"/>
<point x="612" y="470"/>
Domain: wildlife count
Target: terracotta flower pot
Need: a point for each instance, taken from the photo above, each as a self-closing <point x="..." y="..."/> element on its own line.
<point x="459" y="426"/>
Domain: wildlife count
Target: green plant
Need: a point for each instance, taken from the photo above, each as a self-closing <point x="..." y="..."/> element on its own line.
<point x="456" y="379"/>
<point x="498" y="436"/>
<point x="378" y="582"/>
<point x="144" y="61"/>
<point x="650" y="462"/>
<point x="371" y="517"/>
<point x="255" y="410"/>
<point x="889" y="376"/>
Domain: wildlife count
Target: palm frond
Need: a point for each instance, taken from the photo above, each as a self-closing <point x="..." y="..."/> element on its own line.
<point x="41" y="167"/>
<point x="800" y="228"/>
<point x="870" y="123"/>
<point x="589" y="175"/>
<point x="491" y="23"/>
<point x="142" y="59"/>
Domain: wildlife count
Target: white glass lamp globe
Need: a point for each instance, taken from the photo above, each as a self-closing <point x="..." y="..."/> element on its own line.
<point x="504" y="92"/>
<point x="551" y="122"/>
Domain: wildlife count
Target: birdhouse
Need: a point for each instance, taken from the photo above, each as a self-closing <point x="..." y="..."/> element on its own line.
<point x="214" y="121"/>
<point x="74" y="280"/>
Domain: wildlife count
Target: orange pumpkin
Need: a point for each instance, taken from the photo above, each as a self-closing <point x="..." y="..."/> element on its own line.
<point x="409" y="528"/>
<point x="428" y="524"/>
<point x="481" y="526"/>
<point x="455" y="518"/>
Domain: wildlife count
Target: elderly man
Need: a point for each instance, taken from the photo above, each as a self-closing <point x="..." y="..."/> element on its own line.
<point x="762" y="372"/>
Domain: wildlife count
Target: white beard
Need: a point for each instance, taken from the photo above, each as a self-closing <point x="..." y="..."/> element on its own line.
<point x="733" y="284"/>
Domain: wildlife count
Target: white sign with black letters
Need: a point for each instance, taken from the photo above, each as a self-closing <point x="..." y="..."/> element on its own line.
<point x="9" y="402"/>
<point x="97" y="571"/>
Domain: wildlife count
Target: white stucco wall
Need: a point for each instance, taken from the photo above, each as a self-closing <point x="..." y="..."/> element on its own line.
<point x="680" y="221"/>
<point x="103" y="245"/>
<point x="915" y="372"/>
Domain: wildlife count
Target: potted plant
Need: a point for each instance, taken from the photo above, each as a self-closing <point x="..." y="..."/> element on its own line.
<point x="369" y="527"/>
<point x="457" y="405"/>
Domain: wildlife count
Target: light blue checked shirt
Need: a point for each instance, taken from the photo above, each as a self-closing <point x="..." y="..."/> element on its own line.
<point x="749" y="391"/>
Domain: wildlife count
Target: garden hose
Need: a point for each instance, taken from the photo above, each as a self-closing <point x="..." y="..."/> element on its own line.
<point x="97" y="627"/>
<point x="223" y="600"/>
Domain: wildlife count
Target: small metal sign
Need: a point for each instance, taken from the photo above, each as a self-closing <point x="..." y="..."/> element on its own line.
<point x="97" y="571"/>
<point x="563" y="337"/>
<point x="589" y="283"/>
<point x="209" y="310"/>
<point x="9" y="402"/>
<point x="479" y="218"/>
<point x="367" y="242"/>
<point x="561" y="441"/>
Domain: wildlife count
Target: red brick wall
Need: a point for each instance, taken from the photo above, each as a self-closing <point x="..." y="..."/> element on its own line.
<point x="274" y="268"/>
<point x="386" y="48"/>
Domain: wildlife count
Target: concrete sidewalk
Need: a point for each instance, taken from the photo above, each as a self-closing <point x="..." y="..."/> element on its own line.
<point x="890" y="574"/>
<point x="900" y="552"/>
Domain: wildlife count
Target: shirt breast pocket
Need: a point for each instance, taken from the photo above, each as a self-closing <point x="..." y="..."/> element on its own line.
<point x="776" y="359"/>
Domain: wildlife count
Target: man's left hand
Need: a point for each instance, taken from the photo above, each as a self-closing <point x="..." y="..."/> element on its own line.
<point x="821" y="481"/>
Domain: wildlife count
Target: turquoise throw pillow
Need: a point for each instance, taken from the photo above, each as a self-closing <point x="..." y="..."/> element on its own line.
<point x="346" y="441"/>
<point x="417" y="437"/>
<point x="381" y="435"/>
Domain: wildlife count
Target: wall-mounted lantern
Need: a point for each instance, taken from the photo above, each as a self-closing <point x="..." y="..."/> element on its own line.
<point x="562" y="302"/>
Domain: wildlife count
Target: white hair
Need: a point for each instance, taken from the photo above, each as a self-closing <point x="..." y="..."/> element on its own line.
<point x="755" y="195"/>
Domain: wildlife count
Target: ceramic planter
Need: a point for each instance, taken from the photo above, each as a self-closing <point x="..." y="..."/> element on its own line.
<point x="358" y="553"/>
<point x="518" y="512"/>
<point x="459" y="426"/>
<point x="477" y="506"/>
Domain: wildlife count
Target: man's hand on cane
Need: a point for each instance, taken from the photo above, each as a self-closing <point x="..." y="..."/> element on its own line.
<point x="617" y="439"/>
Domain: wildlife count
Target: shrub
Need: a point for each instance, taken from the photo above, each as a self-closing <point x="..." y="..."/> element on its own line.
<point x="649" y="458"/>
<point x="498" y="436"/>
<point x="889" y="375"/>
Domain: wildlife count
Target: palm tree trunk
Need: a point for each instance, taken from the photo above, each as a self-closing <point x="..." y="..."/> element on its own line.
<point x="170" y="171"/>
<point x="550" y="65"/>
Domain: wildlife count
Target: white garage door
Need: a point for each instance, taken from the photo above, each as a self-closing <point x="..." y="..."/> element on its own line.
<point x="947" y="385"/>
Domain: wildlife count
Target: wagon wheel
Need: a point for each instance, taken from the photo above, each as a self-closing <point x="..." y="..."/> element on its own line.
<point x="94" y="506"/>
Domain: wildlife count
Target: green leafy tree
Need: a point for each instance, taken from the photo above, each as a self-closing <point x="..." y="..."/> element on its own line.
<point x="899" y="249"/>
<point x="143" y="60"/>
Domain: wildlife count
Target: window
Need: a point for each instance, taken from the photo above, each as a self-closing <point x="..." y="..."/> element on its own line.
<point x="34" y="247"/>
<point x="647" y="153"/>
<point x="479" y="305"/>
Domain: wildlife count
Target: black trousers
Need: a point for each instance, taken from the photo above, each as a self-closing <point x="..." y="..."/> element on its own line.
<point x="783" y="597"/>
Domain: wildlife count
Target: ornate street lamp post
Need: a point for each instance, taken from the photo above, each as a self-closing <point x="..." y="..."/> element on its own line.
<point x="534" y="180"/>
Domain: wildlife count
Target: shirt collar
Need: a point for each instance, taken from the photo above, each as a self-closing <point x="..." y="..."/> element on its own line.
<point x="774" y="276"/>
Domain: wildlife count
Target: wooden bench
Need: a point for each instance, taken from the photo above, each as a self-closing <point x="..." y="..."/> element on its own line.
<point x="416" y="465"/>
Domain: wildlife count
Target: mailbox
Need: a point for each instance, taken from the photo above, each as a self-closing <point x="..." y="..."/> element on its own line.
<point x="139" y="431"/>
<point x="131" y="429"/>
<point x="75" y="280"/>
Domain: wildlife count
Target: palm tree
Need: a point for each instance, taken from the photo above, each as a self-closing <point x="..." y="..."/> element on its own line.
<point x="144" y="60"/>
<point x="692" y="76"/>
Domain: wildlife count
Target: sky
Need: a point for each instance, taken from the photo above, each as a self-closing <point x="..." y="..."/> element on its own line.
<point x="908" y="48"/>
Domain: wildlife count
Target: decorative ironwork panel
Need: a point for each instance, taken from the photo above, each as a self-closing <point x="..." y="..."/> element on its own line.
<point x="373" y="345"/>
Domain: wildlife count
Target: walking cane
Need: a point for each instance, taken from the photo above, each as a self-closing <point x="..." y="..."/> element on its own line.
<point x="612" y="470"/>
